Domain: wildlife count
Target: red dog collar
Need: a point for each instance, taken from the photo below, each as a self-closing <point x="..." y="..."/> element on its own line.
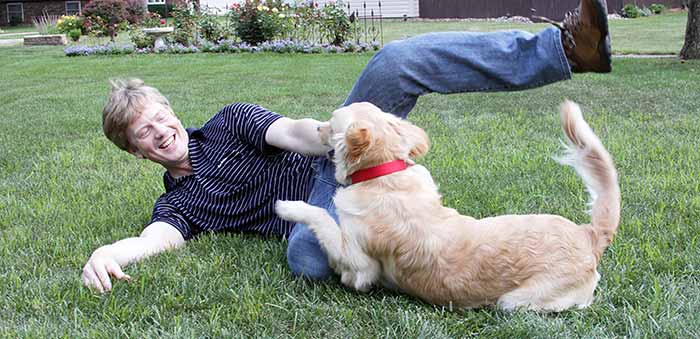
<point x="378" y="171"/>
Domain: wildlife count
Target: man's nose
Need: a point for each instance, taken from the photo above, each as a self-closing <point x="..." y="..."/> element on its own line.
<point x="160" y="130"/>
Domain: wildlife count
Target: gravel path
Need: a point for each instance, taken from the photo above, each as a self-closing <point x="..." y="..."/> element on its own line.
<point x="645" y="56"/>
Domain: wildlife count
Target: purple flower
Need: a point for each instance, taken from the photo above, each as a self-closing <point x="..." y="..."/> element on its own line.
<point x="231" y="46"/>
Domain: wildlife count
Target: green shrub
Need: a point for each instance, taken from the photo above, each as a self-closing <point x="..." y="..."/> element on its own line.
<point x="210" y="29"/>
<point x="136" y="11"/>
<point x="185" y="23"/>
<point x="256" y="22"/>
<point x="74" y="34"/>
<point x="335" y="24"/>
<point x="307" y="21"/>
<point x="68" y="23"/>
<point x="106" y="17"/>
<point x="141" y="39"/>
<point x="631" y="11"/>
<point x="46" y="23"/>
<point x="153" y="20"/>
<point x="657" y="8"/>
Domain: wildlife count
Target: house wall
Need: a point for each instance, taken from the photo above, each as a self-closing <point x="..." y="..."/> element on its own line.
<point x="389" y="9"/>
<point x="35" y="8"/>
<point x="496" y="8"/>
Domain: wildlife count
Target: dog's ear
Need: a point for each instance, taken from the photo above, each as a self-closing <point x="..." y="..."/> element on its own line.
<point x="414" y="138"/>
<point x="358" y="139"/>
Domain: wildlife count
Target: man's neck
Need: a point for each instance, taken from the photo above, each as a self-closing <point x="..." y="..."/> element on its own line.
<point x="182" y="169"/>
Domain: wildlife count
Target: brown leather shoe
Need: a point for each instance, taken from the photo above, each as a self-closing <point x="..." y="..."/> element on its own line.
<point x="585" y="37"/>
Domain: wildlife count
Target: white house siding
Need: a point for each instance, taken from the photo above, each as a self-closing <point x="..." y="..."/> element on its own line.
<point x="390" y="8"/>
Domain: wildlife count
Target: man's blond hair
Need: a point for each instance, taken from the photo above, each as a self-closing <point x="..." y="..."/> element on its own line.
<point x="126" y="102"/>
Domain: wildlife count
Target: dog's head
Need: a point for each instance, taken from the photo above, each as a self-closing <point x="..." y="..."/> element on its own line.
<point x="363" y="136"/>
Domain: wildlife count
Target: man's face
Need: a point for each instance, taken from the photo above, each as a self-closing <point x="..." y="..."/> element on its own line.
<point x="158" y="135"/>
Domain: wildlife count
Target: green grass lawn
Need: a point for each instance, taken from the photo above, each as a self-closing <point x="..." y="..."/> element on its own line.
<point x="12" y="36"/>
<point x="65" y="190"/>
<point x="17" y="29"/>
<point x="18" y="32"/>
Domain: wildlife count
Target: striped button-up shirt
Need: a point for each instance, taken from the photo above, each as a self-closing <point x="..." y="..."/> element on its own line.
<point x="236" y="179"/>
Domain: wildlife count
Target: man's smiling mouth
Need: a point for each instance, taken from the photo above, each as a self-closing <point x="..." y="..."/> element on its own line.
<point x="167" y="142"/>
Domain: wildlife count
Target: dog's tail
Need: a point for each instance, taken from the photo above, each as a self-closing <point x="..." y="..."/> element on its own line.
<point x="587" y="155"/>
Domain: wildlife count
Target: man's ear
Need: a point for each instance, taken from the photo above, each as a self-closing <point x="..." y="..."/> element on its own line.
<point x="414" y="138"/>
<point x="358" y="139"/>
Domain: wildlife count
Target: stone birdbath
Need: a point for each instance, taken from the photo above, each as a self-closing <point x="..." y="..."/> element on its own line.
<point x="158" y="33"/>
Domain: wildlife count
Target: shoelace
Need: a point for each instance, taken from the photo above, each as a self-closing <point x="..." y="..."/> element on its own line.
<point x="570" y="24"/>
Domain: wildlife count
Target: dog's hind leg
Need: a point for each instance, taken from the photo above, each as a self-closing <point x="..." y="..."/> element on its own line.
<point x="361" y="271"/>
<point x="549" y="294"/>
<point x="580" y="296"/>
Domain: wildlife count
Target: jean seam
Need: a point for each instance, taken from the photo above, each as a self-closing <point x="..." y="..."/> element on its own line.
<point x="319" y="177"/>
<point x="563" y="61"/>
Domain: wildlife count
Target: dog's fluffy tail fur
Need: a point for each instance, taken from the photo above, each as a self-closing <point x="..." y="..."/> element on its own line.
<point x="587" y="155"/>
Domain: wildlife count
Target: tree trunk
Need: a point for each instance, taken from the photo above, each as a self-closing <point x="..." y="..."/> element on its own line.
<point x="691" y="48"/>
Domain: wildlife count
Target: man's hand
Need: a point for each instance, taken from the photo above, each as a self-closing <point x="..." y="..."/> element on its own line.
<point x="98" y="269"/>
<point x="109" y="260"/>
<point x="324" y="133"/>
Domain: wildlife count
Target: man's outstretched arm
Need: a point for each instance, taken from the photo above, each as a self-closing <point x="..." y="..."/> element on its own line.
<point x="299" y="136"/>
<point x="109" y="259"/>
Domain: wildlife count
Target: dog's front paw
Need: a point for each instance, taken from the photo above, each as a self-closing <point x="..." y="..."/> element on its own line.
<point x="359" y="281"/>
<point x="291" y="210"/>
<point x="364" y="281"/>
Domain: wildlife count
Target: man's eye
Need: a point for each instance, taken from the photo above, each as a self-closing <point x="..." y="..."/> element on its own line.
<point x="144" y="133"/>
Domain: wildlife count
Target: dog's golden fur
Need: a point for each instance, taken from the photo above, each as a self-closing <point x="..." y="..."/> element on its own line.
<point x="394" y="230"/>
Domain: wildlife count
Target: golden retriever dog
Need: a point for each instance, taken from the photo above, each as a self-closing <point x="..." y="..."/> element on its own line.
<point x="394" y="230"/>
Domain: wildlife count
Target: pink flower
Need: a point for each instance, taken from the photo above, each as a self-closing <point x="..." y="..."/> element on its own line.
<point x="162" y="21"/>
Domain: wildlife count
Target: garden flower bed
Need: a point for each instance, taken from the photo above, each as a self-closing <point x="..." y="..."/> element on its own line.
<point x="251" y="26"/>
<point x="227" y="46"/>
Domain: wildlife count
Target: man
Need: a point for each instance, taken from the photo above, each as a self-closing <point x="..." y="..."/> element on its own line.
<point x="228" y="174"/>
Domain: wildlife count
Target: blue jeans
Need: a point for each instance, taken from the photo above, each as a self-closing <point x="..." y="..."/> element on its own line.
<point x="449" y="62"/>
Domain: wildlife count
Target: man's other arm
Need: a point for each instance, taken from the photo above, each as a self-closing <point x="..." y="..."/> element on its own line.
<point x="109" y="259"/>
<point x="299" y="136"/>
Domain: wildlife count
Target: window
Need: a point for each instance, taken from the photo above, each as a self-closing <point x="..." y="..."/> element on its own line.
<point x="15" y="13"/>
<point x="156" y="2"/>
<point x="73" y="8"/>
